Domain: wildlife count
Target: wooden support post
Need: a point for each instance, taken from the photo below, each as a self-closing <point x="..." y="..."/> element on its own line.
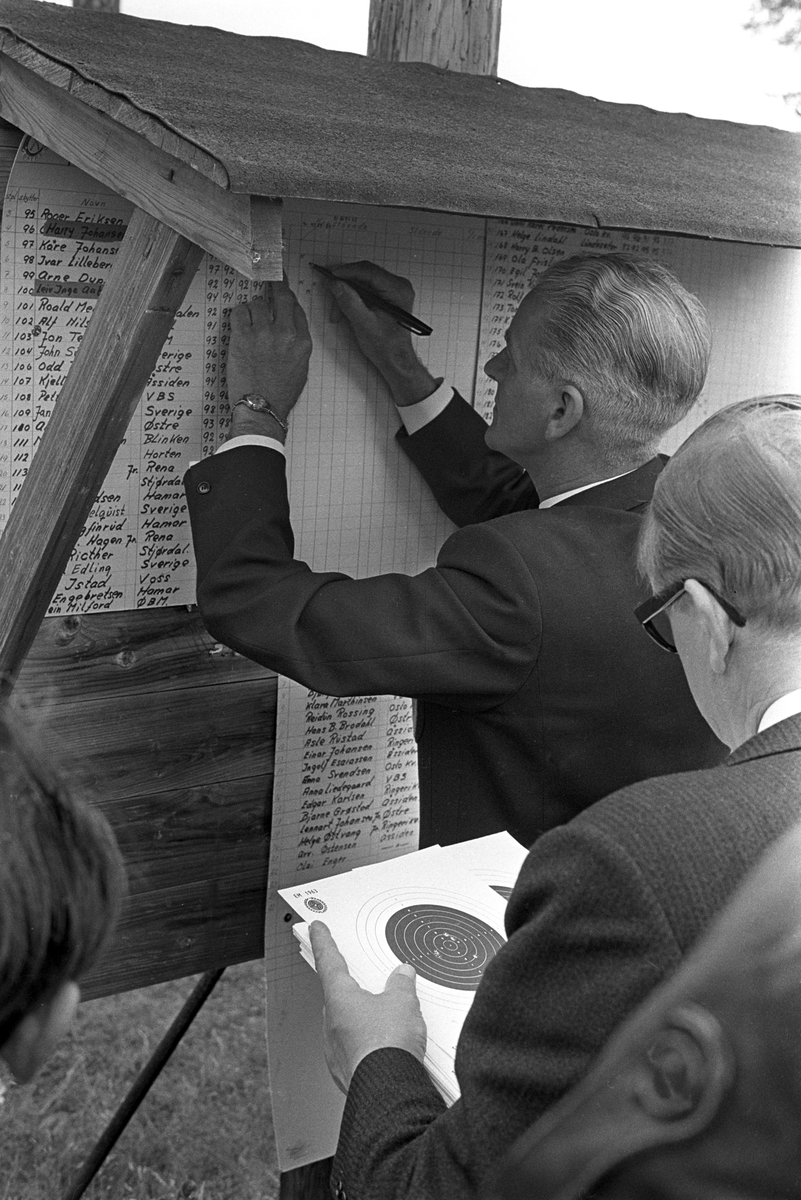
<point x="143" y="1083"/>
<point x="132" y="318"/>
<point x="462" y="35"/>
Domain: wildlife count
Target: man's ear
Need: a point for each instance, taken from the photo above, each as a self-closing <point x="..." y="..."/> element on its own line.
<point x="666" y="1089"/>
<point x="719" y="628"/>
<point x="683" y="1074"/>
<point x="566" y="411"/>
<point x="38" y="1033"/>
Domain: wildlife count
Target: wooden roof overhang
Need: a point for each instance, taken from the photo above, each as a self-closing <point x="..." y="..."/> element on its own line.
<point x="200" y="128"/>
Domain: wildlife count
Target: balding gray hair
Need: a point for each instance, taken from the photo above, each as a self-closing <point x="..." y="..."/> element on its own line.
<point x="726" y="510"/>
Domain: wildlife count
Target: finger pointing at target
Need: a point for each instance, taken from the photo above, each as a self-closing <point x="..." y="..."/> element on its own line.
<point x="328" y="961"/>
<point x="356" y="1021"/>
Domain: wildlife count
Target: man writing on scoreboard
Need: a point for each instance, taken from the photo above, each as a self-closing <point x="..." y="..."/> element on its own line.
<point x="536" y="693"/>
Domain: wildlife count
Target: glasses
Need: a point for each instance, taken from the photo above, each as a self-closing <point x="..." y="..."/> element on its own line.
<point x="652" y="614"/>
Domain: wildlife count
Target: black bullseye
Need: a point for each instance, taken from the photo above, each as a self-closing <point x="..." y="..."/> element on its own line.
<point x="444" y="945"/>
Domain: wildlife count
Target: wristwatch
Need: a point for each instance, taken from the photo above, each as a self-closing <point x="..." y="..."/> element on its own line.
<point x="260" y="404"/>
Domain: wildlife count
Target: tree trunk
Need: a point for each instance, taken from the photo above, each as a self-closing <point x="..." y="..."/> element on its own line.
<point x="462" y="35"/>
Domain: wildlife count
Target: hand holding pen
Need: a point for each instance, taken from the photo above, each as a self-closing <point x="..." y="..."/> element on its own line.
<point x="378" y="307"/>
<point x="369" y="295"/>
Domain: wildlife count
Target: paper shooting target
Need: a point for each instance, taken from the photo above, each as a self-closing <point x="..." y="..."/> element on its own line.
<point x="448" y="946"/>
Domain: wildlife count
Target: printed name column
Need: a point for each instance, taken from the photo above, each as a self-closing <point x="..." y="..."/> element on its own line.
<point x="341" y="758"/>
<point x="100" y="562"/>
<point x="61" y="233"/>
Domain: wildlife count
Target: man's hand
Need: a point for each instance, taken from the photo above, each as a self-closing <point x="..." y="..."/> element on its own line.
<point x="386" y="344"/>
<point x="269" y="354"/>
<point x="355" y="1021"/>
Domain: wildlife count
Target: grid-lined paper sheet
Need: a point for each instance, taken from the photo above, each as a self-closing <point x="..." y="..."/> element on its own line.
<point x="346" y="772"/>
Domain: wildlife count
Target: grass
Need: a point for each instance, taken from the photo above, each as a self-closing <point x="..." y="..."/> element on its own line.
<point x="202" y="1132"/>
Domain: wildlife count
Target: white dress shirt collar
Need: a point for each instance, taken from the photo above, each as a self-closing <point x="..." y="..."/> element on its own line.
<point x="786" y="706"/>
<point x="549" y="503"/>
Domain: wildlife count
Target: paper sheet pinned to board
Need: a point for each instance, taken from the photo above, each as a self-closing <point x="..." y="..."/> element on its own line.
<point x="346" y="769"/>
<point x="60" y="236"/>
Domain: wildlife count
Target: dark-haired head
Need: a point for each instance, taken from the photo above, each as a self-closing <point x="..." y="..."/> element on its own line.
<point x="61" y="883"/>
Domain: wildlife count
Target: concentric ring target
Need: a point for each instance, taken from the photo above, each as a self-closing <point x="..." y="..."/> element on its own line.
<point x="444" y="945"/>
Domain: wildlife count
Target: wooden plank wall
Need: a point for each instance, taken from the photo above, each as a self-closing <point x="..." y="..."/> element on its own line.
<point x="173" y="735"/>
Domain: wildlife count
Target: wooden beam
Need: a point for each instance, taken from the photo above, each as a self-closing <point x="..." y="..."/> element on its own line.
<point x="118" y="107"/>
<point x="242" y="231"/>
<point x="136" y="309"/>
<point x="462" y="35"/>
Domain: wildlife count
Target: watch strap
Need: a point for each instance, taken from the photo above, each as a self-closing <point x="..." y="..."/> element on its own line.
<point x="261" y="404"/>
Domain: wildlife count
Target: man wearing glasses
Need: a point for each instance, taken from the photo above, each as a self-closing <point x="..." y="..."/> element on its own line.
<point x="607" y="905"/>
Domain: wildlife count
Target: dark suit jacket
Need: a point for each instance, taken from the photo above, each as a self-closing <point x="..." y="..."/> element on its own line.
<point x="538" y="691"/>
<point x="469" y="481"/>
<point x="603" y="910"/>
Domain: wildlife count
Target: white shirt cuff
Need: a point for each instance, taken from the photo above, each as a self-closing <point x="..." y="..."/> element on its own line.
<point x="252" y="439"/>
<point x="415" y="416"/>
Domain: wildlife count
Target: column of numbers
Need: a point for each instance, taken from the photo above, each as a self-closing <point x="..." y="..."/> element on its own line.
<point x="211" y="431"/>
<point x="23" y="351"/>
<point x="6" y="352"/>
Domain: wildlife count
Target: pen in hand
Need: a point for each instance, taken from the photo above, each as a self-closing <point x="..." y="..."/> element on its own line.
<point x="373" y="300"/>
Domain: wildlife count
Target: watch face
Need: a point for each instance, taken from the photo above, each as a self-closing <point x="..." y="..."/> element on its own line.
<point x="256" y="402"/>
